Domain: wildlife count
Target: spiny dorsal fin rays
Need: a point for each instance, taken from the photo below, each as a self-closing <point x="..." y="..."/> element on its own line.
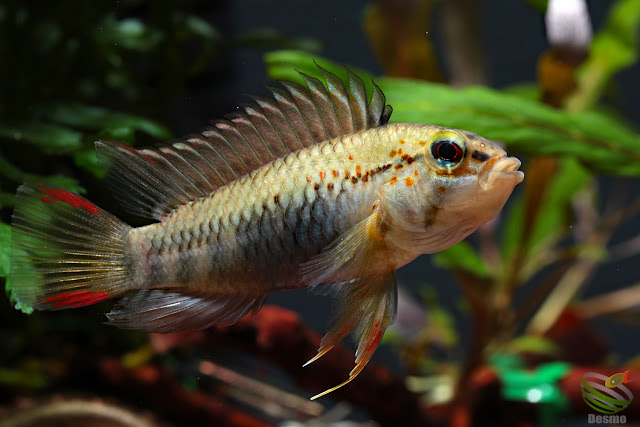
<point x="340" y="99"/>
<point x="324" y="106"/>
<point x="357" y="102"/>
<point x="152" y="182"/>
<point x="310" y="113"/>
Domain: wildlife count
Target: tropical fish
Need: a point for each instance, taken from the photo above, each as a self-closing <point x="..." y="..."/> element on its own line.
<point x="309" y="188"/>
<point x="617" y="379"/>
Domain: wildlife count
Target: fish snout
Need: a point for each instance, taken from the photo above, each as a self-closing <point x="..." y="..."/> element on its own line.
<point x="500" y="169"/>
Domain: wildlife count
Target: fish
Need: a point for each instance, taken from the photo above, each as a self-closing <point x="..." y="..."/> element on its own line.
<point x="617" y="379"/>
<point x="310" y="187"/>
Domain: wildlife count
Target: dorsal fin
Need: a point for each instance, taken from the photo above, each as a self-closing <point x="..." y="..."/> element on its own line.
<point x="153" y="181"/>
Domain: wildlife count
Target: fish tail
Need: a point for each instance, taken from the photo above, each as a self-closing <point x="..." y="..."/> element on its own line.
<point x="65" y="251"/>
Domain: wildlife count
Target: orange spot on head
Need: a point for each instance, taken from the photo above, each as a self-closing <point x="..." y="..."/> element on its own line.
<point x="393" y="153"/>
<point x="350" y="157"/>
<point x="422" y="143"/>
<point x="401" y="141"/>
<point x="323" y="175"/>
<point x="441" y="189"/>
<point x="408" y="181"/>
<point x="393" y="180"/>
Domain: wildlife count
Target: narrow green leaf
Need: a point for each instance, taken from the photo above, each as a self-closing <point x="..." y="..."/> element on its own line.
<point x="614" y="48"/>
<point x="553" y="215"/>
<point x="527" y="127"/>
<point x="96" y="118"/>
<point x="51" y="138"/>
<point x="464" y="257"/>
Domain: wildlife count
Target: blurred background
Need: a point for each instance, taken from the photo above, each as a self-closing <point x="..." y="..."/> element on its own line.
<point x="498" y="330"/>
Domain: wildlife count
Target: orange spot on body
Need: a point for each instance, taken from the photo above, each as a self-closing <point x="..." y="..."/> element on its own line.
<point x="323" y="175"/>
<point x="401" y="141"/>
<point x="358" y="171"/>
<point x="350" y="157"/>
<point x="399" y="150"/>
<point x="75" y="299"/>
<point x="415" y="172"/>
<point x="347" y="174"/>
<point x="393" y="180"/>
<point x="71" y="199"/>
<point x="408" y="181"/>
<point x="398" y="166"/>
<point x="393" y="153"/>
<point x="441" y="189"/>
<point x="308" y="178"/>
<point x="422" y="143"/>
<point x="335" y="173"/>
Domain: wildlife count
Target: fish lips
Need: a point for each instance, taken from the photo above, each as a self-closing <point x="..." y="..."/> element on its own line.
<point x="500" y="170"/>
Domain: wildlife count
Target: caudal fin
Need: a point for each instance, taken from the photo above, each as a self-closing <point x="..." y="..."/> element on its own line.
<point x="65" y="251"/>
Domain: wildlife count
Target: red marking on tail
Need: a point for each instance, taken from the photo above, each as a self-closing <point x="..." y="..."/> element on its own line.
<point x="625" y="378"/>
<point x="71" y="199"/>
<point x="45" y="200"/>
<point x="75" y="299"/>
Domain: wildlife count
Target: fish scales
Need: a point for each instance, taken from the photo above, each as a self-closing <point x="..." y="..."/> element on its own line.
<point x="311" y="187"/>
<point x="254" y="233"/>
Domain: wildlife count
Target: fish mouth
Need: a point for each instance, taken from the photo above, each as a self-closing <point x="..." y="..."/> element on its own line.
<point x="504" y="169"/>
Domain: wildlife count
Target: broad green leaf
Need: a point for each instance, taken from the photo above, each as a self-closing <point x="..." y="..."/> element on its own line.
<point x="462" y="256"/>
<point x="51" y="138"/>
<point x="613" y="48"/>
<point x="527" y="127"/>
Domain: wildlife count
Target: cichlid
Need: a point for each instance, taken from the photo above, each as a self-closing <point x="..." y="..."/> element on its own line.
<point x="311" y="187"/>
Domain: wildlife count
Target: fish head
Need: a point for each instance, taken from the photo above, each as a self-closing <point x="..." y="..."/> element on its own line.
<point x="474" y="175"/>
<point x="463" y="181"/>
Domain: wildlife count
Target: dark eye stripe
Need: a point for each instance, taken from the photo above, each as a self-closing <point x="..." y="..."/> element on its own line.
<point x="480" y="156"/>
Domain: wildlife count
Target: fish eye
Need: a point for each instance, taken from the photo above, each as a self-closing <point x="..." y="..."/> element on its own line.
<point x="447" y="151"/>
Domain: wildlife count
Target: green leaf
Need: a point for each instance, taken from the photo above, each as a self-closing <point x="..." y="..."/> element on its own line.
<point x="614" y="48"/>
<point x="51" y="138"/>
<point x="553" y="215"/>
<point x="96" y="118"/>
<point x="527" y="127"/>
<point x="5" y="266"/>
<point x="462" y="256"/>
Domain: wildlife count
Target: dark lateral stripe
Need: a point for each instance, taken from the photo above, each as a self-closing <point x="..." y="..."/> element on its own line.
<point x="480" y="156"/>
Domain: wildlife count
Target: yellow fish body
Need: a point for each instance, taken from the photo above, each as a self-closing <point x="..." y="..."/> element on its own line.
<point x="311" y="188"/>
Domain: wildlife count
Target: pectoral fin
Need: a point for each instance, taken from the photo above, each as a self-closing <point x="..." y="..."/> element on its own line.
<point x="367" y="306"/>
<point x="350" y="256"/>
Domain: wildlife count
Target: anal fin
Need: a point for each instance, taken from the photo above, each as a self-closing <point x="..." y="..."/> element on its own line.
<point x="171" y="311"/>
<point x="367" y="307"/>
